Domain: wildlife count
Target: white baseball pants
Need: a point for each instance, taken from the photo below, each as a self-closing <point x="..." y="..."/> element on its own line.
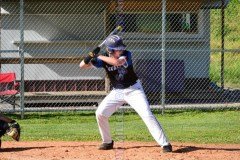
<point x="136" y="98"/>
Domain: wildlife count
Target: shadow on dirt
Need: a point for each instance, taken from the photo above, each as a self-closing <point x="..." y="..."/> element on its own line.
<point x="187" y="149"/>
<point x="132" y="147"/>
<point x="19" y="149"/>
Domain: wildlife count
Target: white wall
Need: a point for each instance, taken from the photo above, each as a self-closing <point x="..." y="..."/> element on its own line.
<point x="76" y="28"/>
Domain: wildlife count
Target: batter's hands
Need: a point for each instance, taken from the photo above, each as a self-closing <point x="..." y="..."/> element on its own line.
<point x="92" y="55"/>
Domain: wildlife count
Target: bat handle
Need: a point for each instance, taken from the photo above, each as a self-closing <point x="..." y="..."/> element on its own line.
<point x="100" y="45"/>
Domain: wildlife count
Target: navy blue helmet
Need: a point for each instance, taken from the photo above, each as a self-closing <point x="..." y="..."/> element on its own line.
<point x="114" y="42"/>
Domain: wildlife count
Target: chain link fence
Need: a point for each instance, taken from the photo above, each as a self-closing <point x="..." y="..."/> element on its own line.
<point x="182" y="52"/>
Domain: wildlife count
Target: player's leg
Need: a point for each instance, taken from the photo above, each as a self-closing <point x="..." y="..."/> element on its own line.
<point x="137" y="99"/>
<point x="5" y="118"/>
<point x="106" y="108"/>
<point x="2" y="131"/>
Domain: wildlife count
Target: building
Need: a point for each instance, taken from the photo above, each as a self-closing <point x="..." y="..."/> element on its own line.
<point x="70" y="29"/>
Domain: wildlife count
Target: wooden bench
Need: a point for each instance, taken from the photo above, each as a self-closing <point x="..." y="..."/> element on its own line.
<point x="63" y="99"/>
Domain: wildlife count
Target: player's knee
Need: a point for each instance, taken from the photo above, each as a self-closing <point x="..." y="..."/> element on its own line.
<point x="97" y="112"/>
<point x="146" y="114"/>
<point x="101" y="118"/>
<point x="100" y="115"/>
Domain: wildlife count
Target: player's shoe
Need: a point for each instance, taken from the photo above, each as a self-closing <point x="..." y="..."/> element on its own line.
<point x="167" y="148"/>
<point x="106" y="146"/>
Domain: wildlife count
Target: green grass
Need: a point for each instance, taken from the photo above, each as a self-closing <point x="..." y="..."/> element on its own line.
<point x="232" y="41"/>
<point x="182" y="126"/>
<point x="231" y="69"/>
<point x="232" y="26"/>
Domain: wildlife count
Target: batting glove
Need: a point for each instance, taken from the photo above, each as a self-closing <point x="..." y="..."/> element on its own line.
<point x="92" y="55"/>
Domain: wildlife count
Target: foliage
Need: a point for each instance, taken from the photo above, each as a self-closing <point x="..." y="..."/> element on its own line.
<point x="232" y="41"/>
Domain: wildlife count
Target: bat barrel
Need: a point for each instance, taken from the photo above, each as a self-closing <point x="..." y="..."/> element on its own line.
<point x="115" y="31"/>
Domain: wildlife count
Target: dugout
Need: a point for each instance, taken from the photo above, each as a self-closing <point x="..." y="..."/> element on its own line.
<point x="57" y="34"/>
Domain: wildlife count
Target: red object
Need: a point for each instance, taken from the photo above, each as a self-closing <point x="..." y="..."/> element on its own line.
<point x="7" y="77"/>
<point x="8" y="88"/>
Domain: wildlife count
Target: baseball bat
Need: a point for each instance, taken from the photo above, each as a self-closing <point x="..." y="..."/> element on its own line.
<point x="115" y="31"/>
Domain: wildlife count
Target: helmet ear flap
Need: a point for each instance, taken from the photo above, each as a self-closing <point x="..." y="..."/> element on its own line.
<point x="111" y="50"/>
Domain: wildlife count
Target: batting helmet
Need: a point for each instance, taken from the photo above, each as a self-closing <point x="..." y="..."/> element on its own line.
<point x="114" y="42"/>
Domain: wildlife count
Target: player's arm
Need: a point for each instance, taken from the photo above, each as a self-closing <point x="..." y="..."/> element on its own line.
<point x="111" y="60"/>
<point x="83" y="65"/>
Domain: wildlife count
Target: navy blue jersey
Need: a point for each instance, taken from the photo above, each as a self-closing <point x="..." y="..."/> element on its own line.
<point x="120" y="76"/>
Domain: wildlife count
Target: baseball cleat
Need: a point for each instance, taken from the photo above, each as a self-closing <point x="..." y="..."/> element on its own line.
<point x="106" y="146"/>
<point x="167" y="148"/>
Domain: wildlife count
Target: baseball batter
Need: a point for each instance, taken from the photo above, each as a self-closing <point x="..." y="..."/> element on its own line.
<point x="127" y="88"/>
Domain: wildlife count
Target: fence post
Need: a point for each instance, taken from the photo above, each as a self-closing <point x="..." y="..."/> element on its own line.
<point x="163" y="52"/>
<point x="21" y="53"/>
<point x="222" y="44"/>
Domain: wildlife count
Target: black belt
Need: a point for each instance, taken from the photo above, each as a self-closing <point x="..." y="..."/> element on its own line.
<point x="132" y="84"/>
<point x="124" y="87"/>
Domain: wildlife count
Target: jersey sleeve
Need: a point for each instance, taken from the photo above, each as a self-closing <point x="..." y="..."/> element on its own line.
<point x="128" y="55"/>
<point x="98" y="63"/>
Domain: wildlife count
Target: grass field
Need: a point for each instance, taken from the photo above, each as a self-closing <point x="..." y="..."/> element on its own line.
<point x="232" y="23"/>
<point x="232" y="41"/>
<point x="180" y="126"/>
<point x="231" y="69"/>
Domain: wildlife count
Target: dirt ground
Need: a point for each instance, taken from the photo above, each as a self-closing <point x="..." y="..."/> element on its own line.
<point x="122" y="150"/>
